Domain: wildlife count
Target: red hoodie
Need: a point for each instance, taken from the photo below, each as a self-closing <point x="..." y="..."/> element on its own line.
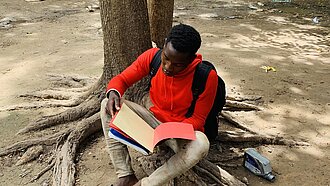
<point x="171" y="96"/>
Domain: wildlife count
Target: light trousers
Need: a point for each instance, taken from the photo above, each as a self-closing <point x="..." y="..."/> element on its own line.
<point x="187" y="152"/>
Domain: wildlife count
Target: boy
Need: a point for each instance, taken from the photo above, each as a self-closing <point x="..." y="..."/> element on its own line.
<point x="171" y="96"/>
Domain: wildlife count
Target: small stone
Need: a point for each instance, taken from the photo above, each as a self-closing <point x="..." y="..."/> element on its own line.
<point x="182" y="8"/>
<point x="45" y="183"/>
<point x="260" y="4"/>
<point x="208" y="16"/>
<point x="89" y="9"/>
<point x="208" y="35"/>
<point x="64" y="41"/>
<point x="95" y="7"/>
<point x="252" y="7"/>
<point x="245" y="180"/>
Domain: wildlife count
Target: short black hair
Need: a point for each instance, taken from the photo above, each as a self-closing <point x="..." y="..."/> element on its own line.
<point x="184" y="38"/>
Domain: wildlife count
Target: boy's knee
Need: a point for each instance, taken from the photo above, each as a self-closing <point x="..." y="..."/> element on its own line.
<point x="202" y="144"/>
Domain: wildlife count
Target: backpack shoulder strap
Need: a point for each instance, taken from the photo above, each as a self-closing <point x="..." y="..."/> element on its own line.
<point x="200" y="77"/>
<point x="155" y="63"/>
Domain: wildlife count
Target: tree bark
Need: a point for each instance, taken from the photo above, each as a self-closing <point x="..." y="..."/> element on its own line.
<point x="161" y="18"/>
<point x="126" y="35"/>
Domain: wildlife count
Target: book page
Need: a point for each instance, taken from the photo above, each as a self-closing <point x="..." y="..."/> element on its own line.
<point x="174" y="130"/>
<point x="134" y="126"/>
<point x="144" y="113"/>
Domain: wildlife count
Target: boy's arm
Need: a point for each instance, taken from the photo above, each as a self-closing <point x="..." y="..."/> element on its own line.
<point x="136" y="71"/>
<point x="204" y="103"/>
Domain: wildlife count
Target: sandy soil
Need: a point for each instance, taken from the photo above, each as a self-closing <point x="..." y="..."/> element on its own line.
<point x="62" y="38"/>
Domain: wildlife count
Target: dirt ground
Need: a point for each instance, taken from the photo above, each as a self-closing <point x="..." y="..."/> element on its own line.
<point x="42" y="39"/>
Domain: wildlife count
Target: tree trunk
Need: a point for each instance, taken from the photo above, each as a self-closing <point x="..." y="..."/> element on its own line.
<point x="161" y="18"/>
<point x="126" y="35"/>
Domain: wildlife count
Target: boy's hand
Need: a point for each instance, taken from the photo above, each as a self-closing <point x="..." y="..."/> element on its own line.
<point x="113" y="104"/>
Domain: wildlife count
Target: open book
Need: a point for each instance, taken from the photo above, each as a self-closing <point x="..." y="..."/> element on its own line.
<point x="130" y="126"/>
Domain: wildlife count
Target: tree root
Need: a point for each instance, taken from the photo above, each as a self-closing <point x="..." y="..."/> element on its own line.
<point x="228" y="165"/>
<point x="216" y="158"/>
<point x="43" y="104"/>
<point x="228" y="179"/>
<point x="193" y="178"/>
<point x="84" y="110"/>
<point x="64" y="168"/>
<point x="234" y="105"/>
<point x="21" y="146"/>
<point x="224" y="177"/>
<point x="70" y="81"/>
<point x="243" y="98"/>
<point x="206" y="173"/>
<point x="242" y="137"/>
<point x="42" y="172"/>
<point x="238" y="124"/>
<point x="60" y="97"/>
<point x="31" y="154"/>
<point x="49" y="94"/>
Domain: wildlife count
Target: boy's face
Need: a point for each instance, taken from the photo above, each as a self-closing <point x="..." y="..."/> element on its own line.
<point x="173" y="62"/>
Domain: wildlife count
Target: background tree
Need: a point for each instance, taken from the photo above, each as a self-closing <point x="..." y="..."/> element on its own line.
<point x="161" y="19"/>
<point x="126" y="35"/>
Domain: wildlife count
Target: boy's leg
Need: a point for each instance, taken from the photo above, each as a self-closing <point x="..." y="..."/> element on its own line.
<point x="188" y="155"/>
<point x="118" y="152"/>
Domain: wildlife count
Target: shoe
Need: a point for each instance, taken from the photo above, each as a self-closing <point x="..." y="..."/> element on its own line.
<point x="129" y="180"/>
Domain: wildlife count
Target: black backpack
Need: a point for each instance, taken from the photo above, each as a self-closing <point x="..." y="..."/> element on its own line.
<point x="201" y="74"/>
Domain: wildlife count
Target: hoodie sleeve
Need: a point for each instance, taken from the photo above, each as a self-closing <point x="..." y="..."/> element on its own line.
<point x="204" y="103"/>
<point x="132" y="74"/>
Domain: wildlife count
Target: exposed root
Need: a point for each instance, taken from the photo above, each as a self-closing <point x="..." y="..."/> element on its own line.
<point x="218" y="174"/>
<point x="76" y="91"/>
<point x="64" y="168"/>
<point x="49" y="94"/>
<point x="216" y="158"/>
<point x="84" y="110"/>
<point x="208" y="174"/>
<point x="228" y="165"/>
<point x="70" y="81"/>
<point x="71" y="90"/>
<point x="234" y="105"/>
<point x="43" y="171"/>
<point x="232" y="136"/>
<point x="243" y="98"/>
<point x="21" y="146"/>
<point x="31" y="154"/>
<point x="238" y="124"/>
<point x="44" y="104"/>
<point x="228" y="179"/>
<point x="194" y="178"/>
